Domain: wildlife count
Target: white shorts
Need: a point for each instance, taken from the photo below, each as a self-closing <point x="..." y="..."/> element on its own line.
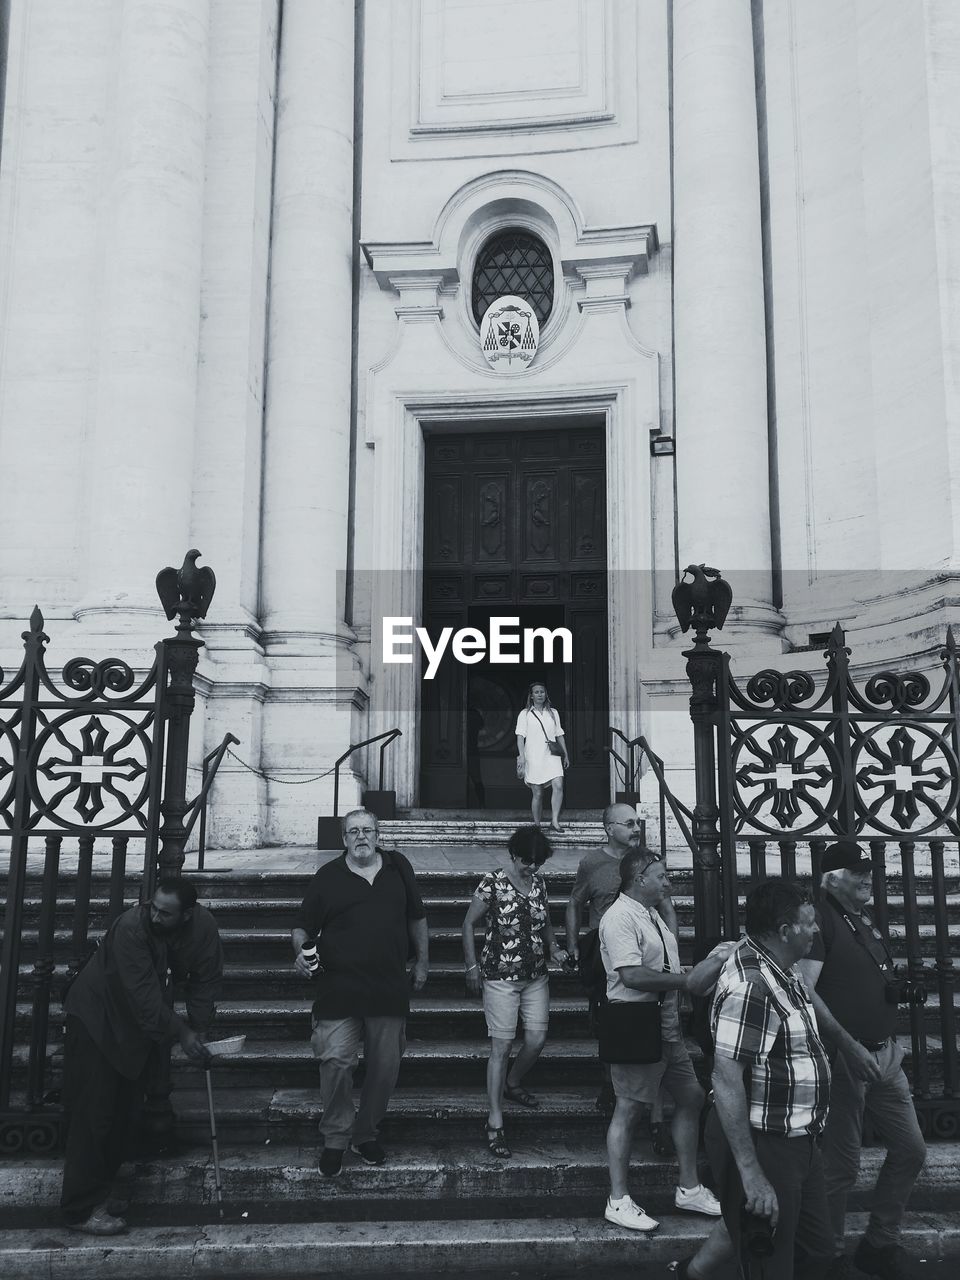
<point x="505" y="1000"/>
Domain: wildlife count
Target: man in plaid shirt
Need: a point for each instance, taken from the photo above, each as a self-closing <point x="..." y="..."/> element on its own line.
<point x="771" y="1082"/>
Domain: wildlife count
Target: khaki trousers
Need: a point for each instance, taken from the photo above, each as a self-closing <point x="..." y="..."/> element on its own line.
<point x="336" y="1045"/>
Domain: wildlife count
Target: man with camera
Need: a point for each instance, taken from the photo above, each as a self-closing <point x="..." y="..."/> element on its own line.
<point x="856" y="991"/>
<point x="361" y="916"/>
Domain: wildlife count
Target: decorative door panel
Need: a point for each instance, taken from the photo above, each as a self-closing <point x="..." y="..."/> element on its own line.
<point x="588" y="516"/>
<point x="540" y="517"/>
<point x="490" y="515"/>
<point x="444" y="543"/>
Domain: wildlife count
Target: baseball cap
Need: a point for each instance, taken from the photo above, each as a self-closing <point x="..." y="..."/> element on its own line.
<point x="845" y="855"/>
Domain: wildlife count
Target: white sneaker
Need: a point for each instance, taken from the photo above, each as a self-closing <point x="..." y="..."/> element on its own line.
<point x="699" y="1199"/>
<point x="625" y="1213"/>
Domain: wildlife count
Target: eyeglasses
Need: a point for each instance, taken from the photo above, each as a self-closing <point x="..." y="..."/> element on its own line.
<point x="629" y="822"/>
<point x="527" y="862"/>
<point x="651" y="862"/>
<point x="360" y="831"/>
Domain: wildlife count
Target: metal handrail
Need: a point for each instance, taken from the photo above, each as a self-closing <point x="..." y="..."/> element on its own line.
<point x="637" y="749"/>
<point x="198" y="806"/>
<point x="387" y="736"/>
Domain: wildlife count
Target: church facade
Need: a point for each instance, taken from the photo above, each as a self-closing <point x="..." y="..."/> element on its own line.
<point x="249" y="248"/>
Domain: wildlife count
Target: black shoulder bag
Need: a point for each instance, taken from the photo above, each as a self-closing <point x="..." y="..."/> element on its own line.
<point x="630" y="1030"/>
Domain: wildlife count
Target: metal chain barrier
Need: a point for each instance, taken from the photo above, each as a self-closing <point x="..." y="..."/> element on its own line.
<point x="286" y="782"/>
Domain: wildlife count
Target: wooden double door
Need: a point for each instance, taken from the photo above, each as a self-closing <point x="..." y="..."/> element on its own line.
<point x="515" y="526"/>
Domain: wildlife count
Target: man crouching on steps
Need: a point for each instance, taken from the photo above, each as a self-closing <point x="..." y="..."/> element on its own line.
<point x="643" y="964"/>
<point x="116" y="1014"/>
<point x="364" y="911"/>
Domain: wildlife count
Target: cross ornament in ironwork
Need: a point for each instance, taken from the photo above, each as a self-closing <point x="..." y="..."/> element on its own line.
<point x="901" y="777"/>
<point x="783" y="776"/>
<point x="91" y="769"/>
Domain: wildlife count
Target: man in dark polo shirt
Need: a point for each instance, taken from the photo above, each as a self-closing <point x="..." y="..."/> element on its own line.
<point x="365" y="911"/>
<point x="855" y="991"/>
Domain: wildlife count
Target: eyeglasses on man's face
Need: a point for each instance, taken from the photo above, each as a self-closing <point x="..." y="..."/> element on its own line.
<point x="360" y="831"/>
<point x="627" y="822"/>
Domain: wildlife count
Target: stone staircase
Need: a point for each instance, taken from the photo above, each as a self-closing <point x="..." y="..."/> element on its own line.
<point x="441" y="1202"/>
<point x="485" y="829"/>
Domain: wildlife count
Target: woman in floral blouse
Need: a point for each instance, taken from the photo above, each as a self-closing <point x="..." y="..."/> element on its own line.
<point x="512" y="973"/>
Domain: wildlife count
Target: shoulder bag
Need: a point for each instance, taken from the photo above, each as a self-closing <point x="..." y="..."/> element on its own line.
<point x="630" y="1031"/>
<point x="552" y="746"/>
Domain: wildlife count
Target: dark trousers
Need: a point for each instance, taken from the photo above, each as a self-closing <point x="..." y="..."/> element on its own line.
<point x="889" y="1105"/>
<point x="102" y="1111"/>
<point x="803" y="1243"/>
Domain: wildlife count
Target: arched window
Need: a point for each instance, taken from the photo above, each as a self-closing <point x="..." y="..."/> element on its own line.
<point x="513" y="262"/>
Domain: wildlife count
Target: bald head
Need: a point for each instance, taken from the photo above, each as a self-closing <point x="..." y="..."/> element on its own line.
<point x="624" y="829"/>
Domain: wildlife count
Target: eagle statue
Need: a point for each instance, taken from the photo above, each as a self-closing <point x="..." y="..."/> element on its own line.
<point x="188" y="589"/>
<point x="704" y="602"/>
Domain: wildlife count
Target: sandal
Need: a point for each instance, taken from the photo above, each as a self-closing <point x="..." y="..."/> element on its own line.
<point x="516" y="1093"/>
<point x="497" y="1144"/>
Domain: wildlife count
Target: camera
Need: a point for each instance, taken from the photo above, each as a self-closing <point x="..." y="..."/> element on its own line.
<point x="903" y="990"/>
<point x="756" y="1233"/>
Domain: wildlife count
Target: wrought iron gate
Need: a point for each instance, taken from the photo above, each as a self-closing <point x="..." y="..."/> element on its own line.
<point x="787" y="762"/>
<point x="96" y="757"/>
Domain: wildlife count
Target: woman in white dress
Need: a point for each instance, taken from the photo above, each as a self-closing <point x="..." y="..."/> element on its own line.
<point x="538" y="726"/>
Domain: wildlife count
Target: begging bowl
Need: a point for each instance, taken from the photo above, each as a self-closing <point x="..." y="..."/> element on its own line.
<point x="219" y="1047"/>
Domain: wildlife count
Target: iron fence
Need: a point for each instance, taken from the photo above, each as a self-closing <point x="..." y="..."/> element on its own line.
<point x="788" y="762"/>
<point x="97" y="754"/>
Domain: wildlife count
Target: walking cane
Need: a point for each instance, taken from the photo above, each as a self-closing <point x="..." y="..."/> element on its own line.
<point x="213" y="1140"/>
<point x="215" y="1050"/>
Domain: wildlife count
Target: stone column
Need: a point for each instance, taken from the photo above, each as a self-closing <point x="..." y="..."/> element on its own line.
<point x="307" y="444"/>
<point x="238" y="192"/>
<point x="141" y="452"/>
<point x="308" y="379"/>
<point x="720" y="348"/>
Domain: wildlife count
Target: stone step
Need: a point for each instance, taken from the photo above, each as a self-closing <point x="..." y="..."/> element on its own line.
<point x="486" y="833"/>
<point x="517" y="817"/>
<point x="416" y="1116"/>
<point x="435" y="1016"/>
<point x="290" y="885"/>
<point x="446" y="979"/>
<point x="272" y="1179"/>
<point x="281" y="980"/>
<point x="266" y="945"/>
<point x="435" y="1170"/>
<point x="566" y="1062"/>
<point x="376" y="1247"/>
<point x="290" y="1064"/>
<point x="432" y="1015"/>
<point x="445" y="907"/>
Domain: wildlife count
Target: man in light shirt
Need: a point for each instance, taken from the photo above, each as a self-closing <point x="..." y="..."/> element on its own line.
<point x="640" y="955"/>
